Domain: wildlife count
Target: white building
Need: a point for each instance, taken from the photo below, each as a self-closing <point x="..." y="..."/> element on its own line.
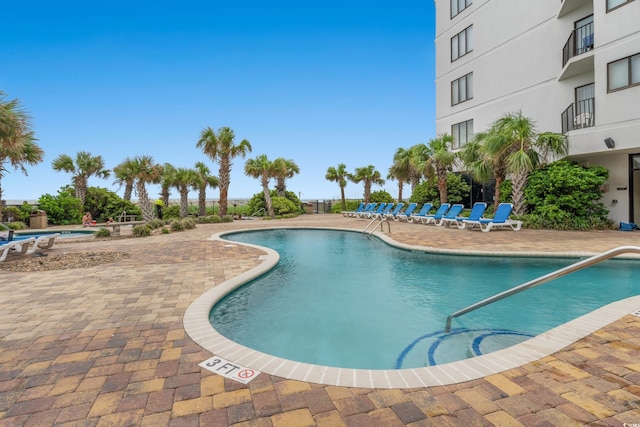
<point x="573" y="66"/>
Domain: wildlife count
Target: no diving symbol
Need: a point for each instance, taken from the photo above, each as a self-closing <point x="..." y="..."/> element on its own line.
<point x="229" y="369"/>
<point x="246" y="373"/>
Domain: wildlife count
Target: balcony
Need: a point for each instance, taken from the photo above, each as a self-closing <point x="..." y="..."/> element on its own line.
<point x="579" y="115"/>
<point x="567" y="6"/>
<point x="580" y="41"/>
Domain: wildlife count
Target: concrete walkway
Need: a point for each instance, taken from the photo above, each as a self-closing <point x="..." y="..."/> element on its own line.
<point x="105" y="346"/>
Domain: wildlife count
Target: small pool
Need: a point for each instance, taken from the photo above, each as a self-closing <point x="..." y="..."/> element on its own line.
<point x="63" y="233"/>
<point x="340" y="299"/>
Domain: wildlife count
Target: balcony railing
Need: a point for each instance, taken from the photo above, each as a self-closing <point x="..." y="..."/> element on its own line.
<point x="581" y="114"/>
<point x="580" y="41"/>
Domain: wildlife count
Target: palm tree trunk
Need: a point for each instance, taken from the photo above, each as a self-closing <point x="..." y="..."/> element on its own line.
<point x="145" y="204"/>
<point x="496" y="194"/>
<point x="400" y="185"/>
<point x="128" y="189"/>
<point x="281" y="187"/>
<point x="223" y="177"/>
<point x="519" y="182"/>
<point x="267" y="196"/>
<point x="367" y="191"/>
<point x="202" y="202"/>
<point x="184" y="202"/>
<point x="342" y="199"/>
<point x="442" y="186"/>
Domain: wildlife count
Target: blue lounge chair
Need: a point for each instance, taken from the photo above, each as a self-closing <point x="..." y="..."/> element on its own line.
<point x="372" y="212"/>
<point x="394" y="212"/>
<point x="476" y="213"/>
<point x="499" y="220"/>
<point x="442" y="210"/>
<point x="452" y="213"/>
<point x="423" y="212"/>
<point x="353" y="213"/>
<point x="370" y="207"/>
<point x="383" y="212"/>
<point x="406" y="214"/>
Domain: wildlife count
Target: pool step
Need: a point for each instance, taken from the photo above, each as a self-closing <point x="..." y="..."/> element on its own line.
<point x="440" y="347"/>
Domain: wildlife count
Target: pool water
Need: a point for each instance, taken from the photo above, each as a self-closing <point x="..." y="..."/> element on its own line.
<point x="338" y="298"/>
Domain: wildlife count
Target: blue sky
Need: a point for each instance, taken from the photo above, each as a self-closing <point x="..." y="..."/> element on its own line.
<point x="319" y="83"/>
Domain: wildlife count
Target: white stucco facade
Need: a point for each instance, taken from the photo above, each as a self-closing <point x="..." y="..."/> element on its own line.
<point x="551" y="60"/>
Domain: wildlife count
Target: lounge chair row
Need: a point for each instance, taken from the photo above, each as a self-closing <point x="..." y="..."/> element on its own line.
<point x="445" y="215"/>
<point x="26" y="245"/>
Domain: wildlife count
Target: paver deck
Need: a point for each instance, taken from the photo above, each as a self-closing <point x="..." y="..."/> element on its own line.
<point x="105" y="346"/>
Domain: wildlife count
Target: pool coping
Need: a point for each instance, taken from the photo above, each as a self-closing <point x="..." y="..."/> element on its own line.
<point x="196" y="324"/>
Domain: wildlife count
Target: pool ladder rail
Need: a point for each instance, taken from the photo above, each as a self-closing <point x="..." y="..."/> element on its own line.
<point x="380" y="221"/>
<point x="543" y="279"/>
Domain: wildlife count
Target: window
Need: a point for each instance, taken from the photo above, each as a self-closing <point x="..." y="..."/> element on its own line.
<point x="458" y="6"/>
<point x="623" y="73"/>
<point x="462" y="89"/>
<point x="462" y="133"/>
<point x="614" y="4"/>
<point x="461" y="43"/>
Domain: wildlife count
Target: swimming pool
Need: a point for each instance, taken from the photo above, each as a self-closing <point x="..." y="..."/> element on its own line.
<point x="63" y="233"/>
<point x="380" y="319"/>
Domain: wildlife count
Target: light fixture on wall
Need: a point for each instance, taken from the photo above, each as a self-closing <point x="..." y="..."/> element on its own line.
<point x="610" y="143"/>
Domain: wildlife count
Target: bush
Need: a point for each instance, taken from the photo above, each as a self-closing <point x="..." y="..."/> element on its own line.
<point x="171" y="212"/>
<point x="17" y="225"/>
<point x="188" y="223"/>
<point x="227" y="218"/>
<point x="380" y="196"/>
<point x="63" y="209"/>
<point x="281" y="205"/>
<point x="176" y="226"/>
<point x="103" y="232"/>
<point x="351" y="205"/>
<point x="104" y="204"/>
<point x="142" y="230"/>
<point x="427" y="191"/>
<point x="209" y="219"/>
<point x="566" y="196"/>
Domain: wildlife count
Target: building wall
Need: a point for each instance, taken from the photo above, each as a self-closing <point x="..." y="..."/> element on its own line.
<point x="517" y="65"/>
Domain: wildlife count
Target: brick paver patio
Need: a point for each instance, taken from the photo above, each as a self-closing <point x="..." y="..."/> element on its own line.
<point x="105" y="346"/>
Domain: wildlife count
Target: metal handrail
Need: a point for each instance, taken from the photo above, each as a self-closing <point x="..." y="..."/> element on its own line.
<point x="382" y="221"/>
<point x="543" y="279"/>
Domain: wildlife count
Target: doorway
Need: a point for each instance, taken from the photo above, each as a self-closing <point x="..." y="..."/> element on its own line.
<point x="634" y="188"/>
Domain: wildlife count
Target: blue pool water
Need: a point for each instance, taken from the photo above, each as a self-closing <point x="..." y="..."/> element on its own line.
<point x="63" y="233"/>
<point x="341" y="299"/>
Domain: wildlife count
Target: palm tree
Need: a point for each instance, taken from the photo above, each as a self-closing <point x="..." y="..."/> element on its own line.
<point x="369" y="175"/>
<point x="146" y="172"/>
<point x="513" y="147"/>
<point x="261" y="167"/>
<point x="124" y="175"/>
<point x="340" y="175"/>
<point x="183" y="179"/>
<point x="440" y="162"/>
<point x="18" y="145"/>
<point x="220" y="148"/>
<point x="285" y="168"/>
<point x="84" y="167"/>
<point x="205" y="179"/>
<point x="166" y="182"/>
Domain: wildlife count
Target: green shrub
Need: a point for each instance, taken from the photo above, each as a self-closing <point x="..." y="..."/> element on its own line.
<point x="209" y="219"/>
<point x="427" y="191"/>
<point x="171" y="212"/>
<point x="141" y="230"/>
<point x="176" y="226"/>
<point x="188" y="223"/>
<point x="566" y="196"/>
<point x="352" y="205"/>
<point x="381" y="196"/>
<point x="281" y="205"/>
<point x="103" y="232"/>
<point x="165" y="230"/>
<point x="104" y="204"/>
<point x="227" y="218"/>
<point x="63" y="209"/>
<point x="17" y="225"/>
<point x="155" y="223"/>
